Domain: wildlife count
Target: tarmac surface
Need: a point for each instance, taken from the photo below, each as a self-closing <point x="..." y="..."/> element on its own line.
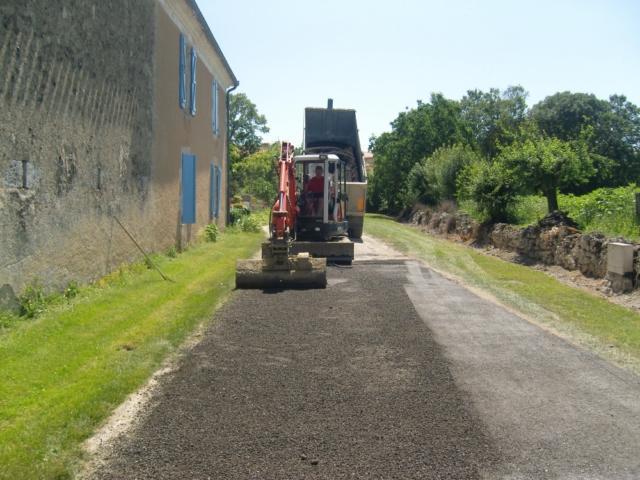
<point x="391" y="372"/>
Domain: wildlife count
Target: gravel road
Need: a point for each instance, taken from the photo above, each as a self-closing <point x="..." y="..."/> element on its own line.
<point x="391" y="372"/>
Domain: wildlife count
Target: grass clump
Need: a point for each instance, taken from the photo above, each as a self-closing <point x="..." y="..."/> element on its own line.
<point x="7" y="320"/>
<point x="249" y="224"/>
<point x="33" y="300"/>
<point x="211" y="232"/>
<point x="529" y="291"/>
<point x="66" y="370"/>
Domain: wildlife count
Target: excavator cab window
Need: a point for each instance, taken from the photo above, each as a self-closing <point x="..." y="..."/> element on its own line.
<point x="321" y="188"/>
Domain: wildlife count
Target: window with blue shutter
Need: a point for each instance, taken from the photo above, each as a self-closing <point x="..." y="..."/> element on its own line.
<point x="192" y="99"/>
<point x="213" y="172"/>
<point x="188" y="200"/>
<point x="214" y="108"/>
<point x="182" y="74"/>
<point x="218" y="189"/>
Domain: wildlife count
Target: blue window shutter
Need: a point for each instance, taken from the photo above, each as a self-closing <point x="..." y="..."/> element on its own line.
<point x="214" y="112"/>
<point x="218" y="188"/>
<point x="214" y="108"/>
<point x="217" y="109"/>
<point x="188" y="203"/>
<point x="212" y="191"/>
<point x="194" y="60"/>
<point x="182" y="74"/>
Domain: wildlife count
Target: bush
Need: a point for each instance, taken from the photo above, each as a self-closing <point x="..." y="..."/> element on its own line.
<point x="249" y="224"/>
<point x="211" y="232"/>
<point x="434" y="179"/>
<point x="420" y="188"/>
<point x="238" y="212"/>
<point x="491" y="187"/>
<point x="33" y="300"/>
<point x="172" y="252"/>
<point x="72" y="290"/>
<point x="608" y="210"/>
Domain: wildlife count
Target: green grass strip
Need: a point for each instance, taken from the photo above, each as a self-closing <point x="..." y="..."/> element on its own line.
<point x="63" y="373"/>
<point x="567" y="309"/>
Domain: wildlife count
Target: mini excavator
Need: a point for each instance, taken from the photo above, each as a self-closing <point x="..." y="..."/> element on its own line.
<point x="310" y="218"/>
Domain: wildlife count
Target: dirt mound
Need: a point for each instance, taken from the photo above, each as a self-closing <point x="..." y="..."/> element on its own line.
<point x="557" y="219"/>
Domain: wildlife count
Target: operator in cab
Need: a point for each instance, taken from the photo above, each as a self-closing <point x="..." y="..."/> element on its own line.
<point x="314" y="190"/>
<point x="316" y="184"/>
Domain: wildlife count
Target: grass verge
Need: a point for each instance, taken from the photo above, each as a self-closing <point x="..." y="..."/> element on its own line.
<point x="64" y="372"/>
<point x="590" y="320"/>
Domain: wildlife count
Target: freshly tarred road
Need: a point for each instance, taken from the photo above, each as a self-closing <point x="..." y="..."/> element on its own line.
<point x="393" y="371"/>
<point x="345" y="382"/>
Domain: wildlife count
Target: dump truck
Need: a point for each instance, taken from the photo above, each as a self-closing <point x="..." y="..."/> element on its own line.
<point x="312" y="216"/>
<point x="335" y="131"/>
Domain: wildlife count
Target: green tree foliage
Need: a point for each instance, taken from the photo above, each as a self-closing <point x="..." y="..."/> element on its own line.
<point x="415" y="134"/>
<point x="620" y="140"/>
<point x="256" y="174"/>
<point x="434" y="179"/>
<point x="493" y="118"/>
<point x="546" y="165"/>
<point x="245" y="124"/>
<point x="613" y="128"/>
<point x="565" y="114"/>
<point x="569" y="142"/>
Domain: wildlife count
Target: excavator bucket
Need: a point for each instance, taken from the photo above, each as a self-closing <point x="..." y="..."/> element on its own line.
<point x="297" y="271"/>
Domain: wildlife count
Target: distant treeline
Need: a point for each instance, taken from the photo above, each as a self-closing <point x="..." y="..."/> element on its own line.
<point x="490" y="148"/>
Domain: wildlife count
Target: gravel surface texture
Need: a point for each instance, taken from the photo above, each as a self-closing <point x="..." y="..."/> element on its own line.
<point x="346" y="382"/>
<point x="392" y="372"/>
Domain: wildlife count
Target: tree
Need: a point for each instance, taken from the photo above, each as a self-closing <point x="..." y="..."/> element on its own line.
<point x="245" y="124"/>
<point x="565" y="114"/>
<point x="415" y="134"/>
<point x="620" y="140"/>
<point x="545" y="165"/>
<point x="494" y="117"/>
<point x="612" y="127"/>
<point x="256" y="174"/>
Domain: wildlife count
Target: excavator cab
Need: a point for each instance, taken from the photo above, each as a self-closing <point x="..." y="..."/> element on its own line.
<point x="321" y="181"/>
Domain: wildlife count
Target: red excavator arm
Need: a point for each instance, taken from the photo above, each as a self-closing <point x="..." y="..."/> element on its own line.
<point x="284" y="211"/>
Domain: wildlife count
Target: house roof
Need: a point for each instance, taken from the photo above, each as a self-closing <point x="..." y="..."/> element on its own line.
<point x="212" y="40"/>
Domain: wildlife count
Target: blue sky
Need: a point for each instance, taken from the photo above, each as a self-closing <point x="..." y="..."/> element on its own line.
<point x="380" y="57"/>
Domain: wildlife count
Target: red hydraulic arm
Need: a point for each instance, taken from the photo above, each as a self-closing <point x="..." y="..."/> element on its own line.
<point x="284" y="211"/>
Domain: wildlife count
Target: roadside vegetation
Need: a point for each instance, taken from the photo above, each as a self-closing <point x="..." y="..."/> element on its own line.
<point x="607" y="210"/>
<point x="503" y="161"/>
<point x="73" y="357"/>
<point x="612" y="330"/>
<point x="253" y="164"/>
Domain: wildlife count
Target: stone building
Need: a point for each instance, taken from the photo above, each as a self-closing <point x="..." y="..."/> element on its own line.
<point x="369" y="162"/>
<point x="107" y="110"/>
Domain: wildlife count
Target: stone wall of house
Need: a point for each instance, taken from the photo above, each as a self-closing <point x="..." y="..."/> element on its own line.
<point x="554" y="240"/>
<point x="76" y="108"/>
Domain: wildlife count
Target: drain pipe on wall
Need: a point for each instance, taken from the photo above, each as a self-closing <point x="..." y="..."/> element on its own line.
<point x="227" y="98"/>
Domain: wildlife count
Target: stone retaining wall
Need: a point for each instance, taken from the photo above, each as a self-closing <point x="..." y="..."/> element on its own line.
<point x="553" y="241"/>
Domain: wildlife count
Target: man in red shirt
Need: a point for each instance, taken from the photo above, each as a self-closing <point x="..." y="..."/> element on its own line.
<point x="316" y="184"/>
<point x="315" y="188"/>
